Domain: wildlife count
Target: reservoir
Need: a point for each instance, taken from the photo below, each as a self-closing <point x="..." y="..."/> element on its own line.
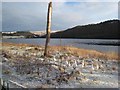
<point x="79" y="43"/>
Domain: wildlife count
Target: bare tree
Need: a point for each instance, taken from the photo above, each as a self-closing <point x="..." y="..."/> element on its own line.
<point x="49" y="17"/>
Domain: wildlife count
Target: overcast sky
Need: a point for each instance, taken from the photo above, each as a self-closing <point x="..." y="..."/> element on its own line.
<point x="25" y="16"/>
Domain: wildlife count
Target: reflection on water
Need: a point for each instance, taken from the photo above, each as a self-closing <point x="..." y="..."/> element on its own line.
<point x="71" y="42"/>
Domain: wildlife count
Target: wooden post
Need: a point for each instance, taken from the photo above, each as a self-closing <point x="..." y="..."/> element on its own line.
<point x="49" y="16"/>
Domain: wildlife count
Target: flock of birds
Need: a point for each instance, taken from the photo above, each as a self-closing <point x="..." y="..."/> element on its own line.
<point x="95" y="63"/>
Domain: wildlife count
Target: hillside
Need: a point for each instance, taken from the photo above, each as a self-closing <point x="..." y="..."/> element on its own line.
<point x="26" y="34"/>
<point x="103" y="30"/>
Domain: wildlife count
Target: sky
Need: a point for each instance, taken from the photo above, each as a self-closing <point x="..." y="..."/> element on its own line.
<point x="31" y="16"/>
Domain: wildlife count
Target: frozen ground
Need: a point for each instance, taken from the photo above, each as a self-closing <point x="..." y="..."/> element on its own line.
<point x="27" y="66"/>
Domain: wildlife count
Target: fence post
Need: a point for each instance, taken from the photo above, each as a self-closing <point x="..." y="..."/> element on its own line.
<point x="49" y="16"/>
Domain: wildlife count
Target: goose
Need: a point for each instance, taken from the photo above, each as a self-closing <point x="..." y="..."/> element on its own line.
<point x="83" y="63"/>
<point x="75" y="63"/>
<point x="95" y="65"/>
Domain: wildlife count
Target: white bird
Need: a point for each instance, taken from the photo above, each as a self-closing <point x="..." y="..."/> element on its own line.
<point x="83" y="63"/>
<point x="69" y="64"/>
<point x="93" y="67"/>
<point x="66" y="62"/>
<point x="75" y="64"/>
<point x="97" y="66"/>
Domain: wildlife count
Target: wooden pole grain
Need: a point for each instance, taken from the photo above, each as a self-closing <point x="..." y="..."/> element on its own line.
<point x="48" y="28"/>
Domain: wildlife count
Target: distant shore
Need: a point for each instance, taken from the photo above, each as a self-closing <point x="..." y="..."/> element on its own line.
<point x="102" y="43"/>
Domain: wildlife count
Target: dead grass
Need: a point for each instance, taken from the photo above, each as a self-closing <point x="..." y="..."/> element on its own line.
<point x="72" y="50"/>
<point x="86" y="53"/>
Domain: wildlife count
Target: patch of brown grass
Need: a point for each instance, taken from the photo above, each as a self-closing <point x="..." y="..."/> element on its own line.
<point x="72" y="50"/>
<point x="21" y="44"/>
<point x="86" y="53"/>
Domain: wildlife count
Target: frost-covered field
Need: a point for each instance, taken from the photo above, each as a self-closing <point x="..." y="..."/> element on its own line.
<point x="62" y="69"/>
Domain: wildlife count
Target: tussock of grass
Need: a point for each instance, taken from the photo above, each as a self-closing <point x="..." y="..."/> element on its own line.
<point x="86" y="53"/>
<point x="73" y="50"/>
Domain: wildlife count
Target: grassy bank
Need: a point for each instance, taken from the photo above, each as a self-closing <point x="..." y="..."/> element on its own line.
<point x="65" y="66"/>
<point x="69" y="49"/>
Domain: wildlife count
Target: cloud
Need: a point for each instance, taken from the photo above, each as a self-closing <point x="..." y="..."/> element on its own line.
<point x="60" y="0"/>
<point x="84" y="13"/>
<point x="24" y="16"/>
<point x="32" y="16"/>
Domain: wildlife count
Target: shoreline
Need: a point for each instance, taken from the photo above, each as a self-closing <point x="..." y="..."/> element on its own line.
<point x="103" y="43"/>
<point x="89" y="43"/>
<point x="64" y="67"/>
<point x="73" y="50"/>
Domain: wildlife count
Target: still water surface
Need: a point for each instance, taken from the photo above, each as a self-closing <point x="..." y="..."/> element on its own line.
<point x="80" y="43"/>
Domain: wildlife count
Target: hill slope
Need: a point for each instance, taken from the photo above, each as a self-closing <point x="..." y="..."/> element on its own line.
<point x="26" y="34"/>
<point x="103" y="30"/>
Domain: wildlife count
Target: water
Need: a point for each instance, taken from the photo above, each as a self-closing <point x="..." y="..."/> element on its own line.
<point x="80" y="43"/>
